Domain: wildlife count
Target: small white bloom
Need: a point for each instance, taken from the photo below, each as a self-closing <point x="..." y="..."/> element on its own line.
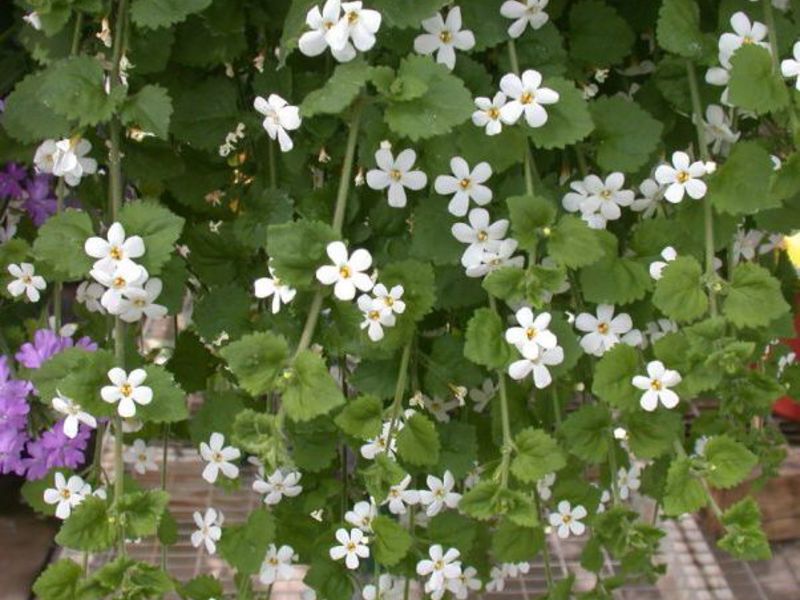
<point x="67" y="494"/>
<point x="462" y="585"/>
<point x="444" y="36"/>
<point x="273" y="286"/>
<point x="659" y="328"/>
<point x="790" y="67"/>
<point x="481" y="396"/>
<point x="524" y="13"/>
<point x="126" y="279"/>
<point x="441" y="567"/>
<point x="745" y="32"/>
<point x="389" y="300"/>
<point x="439" y="408"/>
<point x="535" y="362"/>
<point x="489" y="112"/>
<point x="527" y="97"/>
<point x="497" y="581"/>
<point x="219" y="457"/>
<point x="378" y="444"/>
<point x="277" y="565"/>
<point x="396" y="174"/>
<point x="700" y="445"/>
<point x="321" y="23"/>
<point x="721" y="77"/>
<point x="34" y="20"/>
<point x="480" y="234"/>
<point x="362" y="515"/>
<point x="115" y="250"/>
<point x="208" y="531"/>
<point x="568" y="520"/>
<point x="544" y="486"/>
<point x="74" y="414"/>
<point x="375" y="318"/>
<point x="346" y="273"/>
<point x="25" y="281"/>
<point x="127" y="390"/>
<point x="388" y="589"/>
<point x="656" y="386"/>
<point x="399" y="497"/>
<point x="279" y="117"/>
<point x="439" y="494"/>
<point x="532" y="335"/>
<point x="719" y="134"/>
<point x="573" y="200"/>
<point x="746" y="244"/>
<point x="657" y="267"/>
<point x="682" y="177"/>
<point x="628" y="481"/>
<point x="89" y="294"/>
<point x="502" y="256"/>
<point x="278" y="485"/>
<point x="358" y="25"/>
<point x="141" y="457"/>
<point x="138" y="302"/>
<point x="352" y="547"/>
<point x="603" y="331"/>
<point x="606" y="197"/>
<point x="465" y="185"/>
<point x="652" y="194"/>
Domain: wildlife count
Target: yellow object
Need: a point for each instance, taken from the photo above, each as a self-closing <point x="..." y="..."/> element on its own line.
<point x="792" y="244"/>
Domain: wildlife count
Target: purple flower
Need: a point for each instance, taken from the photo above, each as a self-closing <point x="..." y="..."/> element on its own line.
<point x="11" y="445"/>
<point x="40" y="203"/>
<point x="86" y="343"/>
<point x="54" y="449"/>
<point x="13" y="399"/>
<point x="10" y="181"/>
<point x="46" y="343"/>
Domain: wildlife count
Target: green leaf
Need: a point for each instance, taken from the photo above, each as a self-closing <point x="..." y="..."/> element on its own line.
<point x="537" y="454"/>
<point x="361" y="417"/>
<point x="418" y="442"/>
<point x="485" y="342"/>
<point x="741" y="186"/>
<point x="626" y="134"/>
<point x="202" y="587"/>
<point x="169" y="400"/>
<point x="339" y="91"/>
<point x="599" y="36"/>
<point x="684" y="493"/>
<point x="586" y="432"/>
<point x="729" y="461"/>
<point x="27" y="117"/>
<point x="744" y="537"/>
<point x="506" y="283"/>
<point x="315" y="444"/>
<point x="754" y="85"/>
<point x="529" y="214"/>
<point x="256" y="360"/>
<point x="159" y="228"/>
<point x="651" y="434"/>
<point x="60" y="581"/>
<point x="191" y="363"/>
<point x="679" y="28"/>
<point x="391" y="542"/>
<point x="60" y="245"/>
<point x="223" y="309"/>
<point x="453" y="530"/>
<point x="485" y="21"/>
<point x="481" y="501"/>
<point x="680" y="294"/>
<point x="329" y="580"/>
<point x="217" y="413"/>
<point x="134" y="580"/>
<point x="310" y="391"/>
<point x="418" y="283"/>
<point x="459" y="449"/>
<point x="382" y="474"/>
<point x="167" y="529"/>
<point x="244" y="545"/>
<point x="568" y="120"/>
<point x="149" y="109"/>
<point x="153" y="14"/>
<point x="573" y="244"/>
<point x="427" y="241"/>
<point x="142" y="512"/>
<point x="261" y="434"/>
<point x="205" y="113"/>
<point x="409" y="13"/>
<point x="89" y="527"/>
<point x="612" y="378"/>
<point x="514" y="544"/>
<point x="614" y="280"/>
<point x="297" y="249"/>
<point x="445" y="104"/>
<point x="754" y="297"/>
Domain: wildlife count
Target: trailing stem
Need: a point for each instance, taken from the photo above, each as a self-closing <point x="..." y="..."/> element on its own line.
<point x="399" y="390"/>
<point x="58" y="288"/>
<point x="508" y="443"/>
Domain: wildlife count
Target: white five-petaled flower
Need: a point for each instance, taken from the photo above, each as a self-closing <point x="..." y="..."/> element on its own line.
<point x="279" y="117"/>
<point x="532" y="335"/>
<point x="719" y="134"/>
<point x="683" y="176"/>
<point x="527" y="97"/>
<point x="479" y="234"/>
<point x="362" y="515"/>
<point x="66" y="158"/>
<point x="388" y="588"/>
<point x="351" y="547"/>
<point x="399" y="496"/>
<point x="375" y="316"/>
<point x="127" y="390"/>
<point x="790" y="67"/>
<point x="389" y="300"/>
<point x="441" y="567"/>
<point x="652" y="194"/>
<point x="464" y="185"/>
<point x="25" y="281"/>
<point x="534" y="362"/>
<point x="657" y="267"/>
<point x="273" y="286"/>
<point x="358" y="25"/>
<point x="346" y="273"/>
<point x="74" y="414"/>
<point x="502" y="256"/>
<point x="321" y="23"/>
<point x="444" y="36"/>
<point x="89" y="294"/>
<point x="544" y="486"/>
<point x="138" y="302"/>
<point x="746" y="244"/>
<point x="396" y="174"/>
<point x="488" y="114"/>
<point x="745" y="33"/>
<point x="114" y="251"/>
<point x="524" y="13"/>
<point x="127" y="277"/>
<point x="602" y="331"/>
<point x="656" y="386"/>
<point x="278" y="485"/>
<point x="462" y="585"/>
<point x="208" y="531"/>
<point x="67" y="494"/>
<point x="277" y="565"/>
<point x="628" y="481"/>
<point x="219" y="458"/>
<point x="606" y="197"/>
<point x="141" y="457"/>
<point x="378" y="444"/>
<point x="568" y="520"/>
<point x="439" y="494"/>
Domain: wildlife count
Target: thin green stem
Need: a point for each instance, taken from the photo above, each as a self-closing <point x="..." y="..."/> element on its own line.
<point x="512" y="57"/>
<point x="508" y="443"/>
<point x="310" y="324"/>
<point x="273" y="165"/>
<point x="164" y="449"/>
<point x="119" y="480"/>
<point x="556" y="406"/>
<point x="76" y="34"/>
<point x="58" y="288"/>
<point x="680" y="451"/>
<point x="548" y="570"/>
<point x="399" y="390"/>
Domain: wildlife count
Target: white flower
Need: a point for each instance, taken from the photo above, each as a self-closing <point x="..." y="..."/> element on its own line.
<point x="700" y="445"/>
<point x="219" y="458"/>
<point x="389" y="300"/>
<point x="652" y="195"/>
<point x="746" y="243"/>
<point x="357" y="24"/>
<point x="314" y="42"/>
<point x="535" y="361"/>
<point x="572" y="201"/>
<point x="439" y="494"/>
<point x="721" y="77"/>
<point x="346" y="273"/>
<point x="568" y="520"/>
<point x="656" y="386"/>
<point x="465" y="185"/>
<point x="745" y="33"/>
<point x="719" y="134"/>
<point x="462" y="585"/>
<point x="544" y="486"/>
<point x="141" y="457"/>
<point x="524" y="13"/>
<point x="279" y="117"/>
<point x="114" y="251"/>
<point x="388" y="589"/>
<point x="682" y="177"/>
<point x="352" y="547"/>
<point x="790" y="67"/>
<point x="378" y="444"/>
<point x="657" y="267"/>
<point x="65" y="158"/>
<point x="480" y="235"/>
<point x="399" y="496"/>
<point x="606" y="197"/>
<point x="278" y="485"/>
<point x="439" y="408"/>
<point x="273" y="286"/>
<point x="532" y="335"/>
<point x="138" y="302"/>
<point x="396" y="174"/>
<point x="527" y="97"/>
<point x="362" y="515"/>
<point x="34" y="20"/>
<point x="440" y="567"/>
<point x="481" y="396"/>
<point x="208" y="530"/>
<point x="74" y="414"/>
<point x="489" y="113"/>
<point x="89" y="294"/>
<point x="602" y="331"/>
<point x="126" y="278"/>
<point x="25" y="281"/>
<point x="375" y="319"/>
<point x="444" y="36"/>
<point x="127" y="389"/>
<point x="628" y="481"/>
<point x="277" y="565"/>
<point x="67" y="494"/>
<point x="501" y="257"/>
<point x="658" y="329"/>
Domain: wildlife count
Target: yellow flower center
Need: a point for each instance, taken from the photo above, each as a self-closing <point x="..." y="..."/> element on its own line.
<point x="438" y="565"/>
<point x="65" y="493"/>
<point x="603" y="328"/>
<point x="115" y="253"/>
<point x="683" y="176"/>
<point x="527" y="98"/>
<point x="493" y="113"/>
<point x="605" y="194"/>
<point x="566" y="519"/>
<point x="352" y="17"/>
<point x="395" y="175"/>
<point x="26" y="279"/>
<point x="465" y="183"/>
<point x="656" y="385"/>
<point x="374" y="315"/>
<point x="388" y="301"/>
<point x="119" y="282"/>
<point x="351" y="547"/>
<point x="531" y="332"/>
<point x="217" y="457"/>
<point x="273" y="561"/>
<point x="139" y="303"/>
<point x="445" y="36"/>
<point x="747" y="40"/>
<point x="345" y="272"/>
<point x="482" y="236"/>
<point x="142" y="458"/>
<point x="126" y="389"/>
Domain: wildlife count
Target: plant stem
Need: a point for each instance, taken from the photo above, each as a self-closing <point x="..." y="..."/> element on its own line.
<point x="508" y="443"/>
<point x="612" y="465"/>
<point x="273" y="166"/>
<point x="76" y="34"/>
<point x="528" y="164"/>
<point x="164" y="448"/>
<point x="58" y="287"/>
<point x="711" y="500"/>
<point x="399" y="390"/>
<point x="548" y="570"/>
<point x="119" y="480"/>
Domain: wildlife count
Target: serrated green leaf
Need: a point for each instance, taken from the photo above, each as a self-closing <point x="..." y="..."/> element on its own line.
<point x="573" y="244"/>
<point x="679" y="28"/>
<point x="339" y="91"/>
<point x="149" y="109"/>
<point x="60" y="581"/>
<point x="741" y="186"/>
<point x="615" y="281"/>
<point x="191" y="363"/>
<point x="417" y="442"/>
<point x="142" y="512"/>
<point x="256" y="360"/>
<point x="60" y="244"/>
<point x="537" y="454"/>
<point x="514" y="544"/>
<point x="744" y="537"/>
<point x="481" y="501"/>
<point x="391" y="541"/>
<point x="169" y="400"/>
<point x="297" y="249"/>
<point x="485" y="342"/>
<point x="754" y="85"/>
<point x="205" y="113"/>
<point x="754" y="297"/>
<point x="684" y="493"/>
<point x="158" y="227"/>
<point x="599" y="36"/>
<point x="529" y="214"/>
<point x="88" y="528"/>
<point x="506" y="283"/>
<point x="362" y="417"/>
<point x="612" y="378"/>
<point x="244" y="546"/>
<point x="153" y="14"/>
<point x="651" y="434"/>
<point x="730" y="462"/>
<point x="309" y="390"/>
<point x="409" y="13"/>
<point x="586" y="432"/>
<point x="626" y="134"/>
<point x="679" y="293"/>
<point x="225" y="308"/>
<point x="568" y="120"/>
<point x="27" y="117"/>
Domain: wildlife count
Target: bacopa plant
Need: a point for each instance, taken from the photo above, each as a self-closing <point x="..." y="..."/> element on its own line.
<point x="452" y="277"/>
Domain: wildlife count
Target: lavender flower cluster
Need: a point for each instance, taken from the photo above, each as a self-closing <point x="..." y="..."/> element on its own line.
<point x="24" y="451"/>
<point x="23" y="192"/>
